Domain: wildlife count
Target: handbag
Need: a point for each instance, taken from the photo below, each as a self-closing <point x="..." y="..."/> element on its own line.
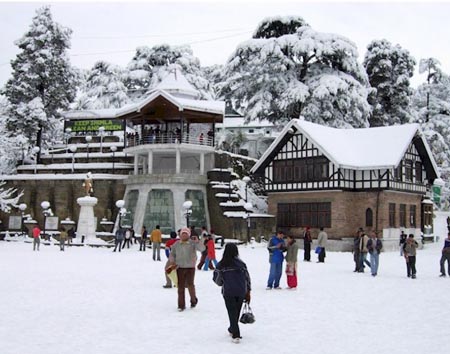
<point x="247" y="314"/>
<point x="318" y="249"/>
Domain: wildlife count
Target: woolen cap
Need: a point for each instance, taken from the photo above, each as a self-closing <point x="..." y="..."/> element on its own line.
<point x="185" y="230"/>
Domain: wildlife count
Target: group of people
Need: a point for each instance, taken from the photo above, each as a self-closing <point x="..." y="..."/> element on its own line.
<point x="362" y="246"/>
<point x="64" y="236"/>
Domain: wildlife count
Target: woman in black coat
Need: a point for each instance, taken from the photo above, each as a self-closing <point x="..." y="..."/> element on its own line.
<point x="232" y="275"/>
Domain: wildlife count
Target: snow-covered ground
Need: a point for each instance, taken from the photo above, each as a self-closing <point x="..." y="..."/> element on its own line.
<point x="90" y="300"/>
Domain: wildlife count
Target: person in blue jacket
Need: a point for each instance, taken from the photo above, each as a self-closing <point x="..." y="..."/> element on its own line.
<point x="232" y="275"/>
<point x="276" y="248"/>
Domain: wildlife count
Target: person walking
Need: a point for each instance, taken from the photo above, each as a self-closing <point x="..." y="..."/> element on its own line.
<point x="211" y="254"/>
<point x="36" y="237"/>
<point x="156" y="239"/>
<point x="410" y="251"/>
<point x="183" y="257"/>
<point x="291" y="262"/>
<point x="363" y="252"/>
<point x="307" y="240"/>
<point x="276" y="248"/>
<point x="120" y="235"/>
<point x="169" y="244"/>
<point x="232" y="275"/>
<point x="204" y="254"/>
<point x="322" y="240"/>
<point x="70" y="236"/>
<point x="62" y="238"/>
<point x="401" y="242"/>
<point x="445" y="256"/>
<point x="374" y="246"/>
<point x="127" y="239"/>
<point x="144" y="236"/>
<point x="356" y="252"/>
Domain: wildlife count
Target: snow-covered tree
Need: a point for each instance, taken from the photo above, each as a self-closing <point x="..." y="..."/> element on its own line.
<point x="150" y="65"/>
<point x="42" y="82"/>
<point x="432" y="103"/>
<point x="389" y="69"/>
<point x="288" y="69"/>
<point x="103" y="88"/>
<point x="8" y="198"/>
<point x="213" y="74"/>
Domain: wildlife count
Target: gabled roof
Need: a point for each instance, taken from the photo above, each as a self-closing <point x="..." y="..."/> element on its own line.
<point x="357" y="149"/>
<point x="176" y="84"/>
<point x="215" y="107"/>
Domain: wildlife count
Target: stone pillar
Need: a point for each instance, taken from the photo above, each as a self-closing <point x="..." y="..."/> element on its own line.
<point x="202" y="163"/>
<point x="86" y="221"/>
<point x="136" y="164"/>
<point x="178" y="162"/>
<point x="150" y="162"/>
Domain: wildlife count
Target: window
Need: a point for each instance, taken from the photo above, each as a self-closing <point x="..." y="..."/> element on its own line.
<point x="418" y="168"/>
<point x="391" y="214"/>
<point x="251" y="130"/>
<point x="369" y="217"/>
<point x="412" y="215"/>
<point x="304" y="214"/>
<point x="398" y="172"/>
<point x="402" y="215"/>
<point x="408" y="170"/>
<point x="301" y="170"/>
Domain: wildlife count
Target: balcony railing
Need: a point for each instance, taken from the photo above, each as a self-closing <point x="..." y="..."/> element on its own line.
<point x="168" y="138"/>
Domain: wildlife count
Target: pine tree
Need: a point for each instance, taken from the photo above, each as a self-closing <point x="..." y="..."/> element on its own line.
<point x="42" y="78"/>
<point x="150" y="65"/>
<point x="389" y="69"/>
<point x="288" y="69"/>
<point x="8" y="199"/>
<point x="103" y="88"/>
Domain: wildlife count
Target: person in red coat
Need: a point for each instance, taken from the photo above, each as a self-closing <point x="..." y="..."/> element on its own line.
<point x="211" y="254"/>
<point x="36" y="237"/>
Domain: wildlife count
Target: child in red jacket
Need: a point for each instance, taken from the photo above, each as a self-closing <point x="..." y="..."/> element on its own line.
<point x="211" y="255"/>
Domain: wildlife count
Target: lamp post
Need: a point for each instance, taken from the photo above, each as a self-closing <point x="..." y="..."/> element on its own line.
<point x="101" y="132"/>
<point x="88" y="140"/>
<point x="68" y="135"/>
<point x="246" y="180"/>
<point x="113" y="149"/>
<point x="46" y="211"/>
<point x="73" y="150"/>
<point x="120" y="204"/>
<point x="187" y="206"/>
<point x="22" y="208"/>
<point x="35" y="152"/>
<point x="248" y="207"/>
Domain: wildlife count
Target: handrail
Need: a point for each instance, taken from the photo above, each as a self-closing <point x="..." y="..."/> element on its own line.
<point x="168" y="138"/>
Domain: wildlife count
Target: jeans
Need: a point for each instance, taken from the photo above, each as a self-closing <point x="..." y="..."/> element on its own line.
<point x="374" y="261"/>
<point x="205" y="267"/>
<point x="117" y="243"/>
<point x="307" y="255"/>
<point x="142" y="245"/>
<point x="322" y="255"/>
<point x="275" y="275"/>
<point x="362" y="260"/>
<point x="36" y="242"/>
<point x="234" y="305"/>
<point x="445" y="257"/>
<point x="411" y="266"/>
<point x="156" y="251"/>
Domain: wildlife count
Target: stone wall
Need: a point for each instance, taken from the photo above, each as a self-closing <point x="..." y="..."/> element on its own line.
<point x="62" y="195"/>
<point x="348" y="209"/>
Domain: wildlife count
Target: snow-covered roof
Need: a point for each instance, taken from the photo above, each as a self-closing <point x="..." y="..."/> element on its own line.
<point x="176" y="84"/>
<point x="216" y="107"/>
<point x="357" y="149"/>
<point x="239" y="122"/>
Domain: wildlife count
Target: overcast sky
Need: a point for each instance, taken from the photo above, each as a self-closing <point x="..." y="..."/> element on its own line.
<point x="111" y="31"/>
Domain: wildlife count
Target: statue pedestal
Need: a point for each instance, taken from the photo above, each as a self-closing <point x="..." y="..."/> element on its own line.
<point x="86" y="221"/>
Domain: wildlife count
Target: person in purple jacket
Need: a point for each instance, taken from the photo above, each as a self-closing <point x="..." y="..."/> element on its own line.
<point x="445" y="256"/>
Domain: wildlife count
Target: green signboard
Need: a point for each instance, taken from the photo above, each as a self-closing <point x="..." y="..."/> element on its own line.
<point x="437" y="194"/>
<point x="92" y="125"/>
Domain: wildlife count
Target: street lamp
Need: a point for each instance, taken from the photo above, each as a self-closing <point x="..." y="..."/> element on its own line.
<point x="68" y="135"/>
<point x="46" y="211"/>
<point x="22" y="208"/>
<point x="120" y="204"/>
<point x="88" y="140"/>
<point x="113" y="149"/>
<point x="246" y="180"/>
<point x="101" y="132"/>
<point x="35" y="152"/>
<point x="73" y="150"/>
<point x="248" y="206"/>
<point x="187" y="206"/>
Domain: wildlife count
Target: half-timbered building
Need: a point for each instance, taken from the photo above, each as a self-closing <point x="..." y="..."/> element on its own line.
<point x="343" y="179"/>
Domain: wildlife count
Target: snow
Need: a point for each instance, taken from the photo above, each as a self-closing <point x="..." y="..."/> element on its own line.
<point x="91" y="300"/>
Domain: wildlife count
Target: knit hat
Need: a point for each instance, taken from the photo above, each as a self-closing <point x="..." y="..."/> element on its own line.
<point x="185" y="230"/>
